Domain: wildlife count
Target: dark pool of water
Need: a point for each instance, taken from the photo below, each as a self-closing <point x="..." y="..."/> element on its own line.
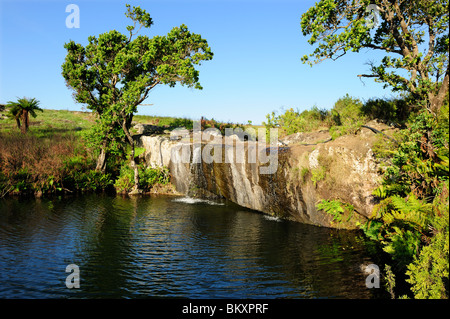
<point x="172" y="247"/>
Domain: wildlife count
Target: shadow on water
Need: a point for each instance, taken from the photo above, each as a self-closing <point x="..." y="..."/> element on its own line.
<point x="173" y="247"/>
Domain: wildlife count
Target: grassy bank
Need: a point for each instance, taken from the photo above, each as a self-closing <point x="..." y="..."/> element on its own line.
<point x="52" y="157"/>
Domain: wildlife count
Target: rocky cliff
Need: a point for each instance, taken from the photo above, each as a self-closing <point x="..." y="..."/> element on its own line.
<point x="310" y="168"/>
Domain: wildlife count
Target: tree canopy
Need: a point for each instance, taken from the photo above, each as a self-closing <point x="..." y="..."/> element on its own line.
<point x="413" y="34"/>
<point x="115" y="72"/>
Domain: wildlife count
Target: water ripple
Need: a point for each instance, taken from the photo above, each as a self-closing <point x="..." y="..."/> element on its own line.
<point x="166" y="247"/>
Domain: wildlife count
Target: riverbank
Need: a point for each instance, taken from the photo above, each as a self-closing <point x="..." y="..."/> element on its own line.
<point x="313" y="168"/>
<point x="56" y="157"/>
<point x="412" y="187"/>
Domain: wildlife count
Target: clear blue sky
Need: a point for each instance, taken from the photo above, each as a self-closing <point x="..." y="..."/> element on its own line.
<point x="256" y="67"/>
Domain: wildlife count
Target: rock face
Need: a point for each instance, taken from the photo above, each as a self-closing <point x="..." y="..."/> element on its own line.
<point x="305" y="174"/>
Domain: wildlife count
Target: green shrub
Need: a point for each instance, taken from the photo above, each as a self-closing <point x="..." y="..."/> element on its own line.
<point x="94" y="180"/>
<point x="138" y="151"/>
<point x="337" y="209"/>
<point x="429" y="272"/>
<point x="125" y="180"/>
<point x="22" y="181"/>
<point x="318" y="174"/>
<point x="411" y="221"/>
<point x="392" y="110"/>
<point x="292" y="121"/>
<point x="333" y="207"/>
<point x="147" y="178"/>
<point x="347" y="116"/>
<point x="349" y="109"/>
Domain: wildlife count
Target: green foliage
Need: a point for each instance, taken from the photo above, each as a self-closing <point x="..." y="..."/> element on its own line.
<point x="349" y="110"/>
<point x="416" y="61"/>
<point x="292" y="121"/>
<point x="94" y="139"/>
<point x="318" y="174"/>
<point x="80" y="176"/>
<point x="182" y="122"/>
<point x="411" y="221"/>
<point x="420" y="162"/>
<point x="390" y="111"/>
<point x="390" y="280"/>
<point x="221" y="126"/>
<point x="335" y="208"/>
<point x="148" y="177"/>
<point x="348" y="116"/>
<point x="429" y="272"/>
<point x="304" y="173"/>
<point x="88" y="180"/>
<point x="139" y="151"/>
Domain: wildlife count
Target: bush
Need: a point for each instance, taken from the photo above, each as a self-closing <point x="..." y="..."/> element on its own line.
<point x="347" y="116"/>
<point x="292" y="121"/>
<point x="87" y="180"/>
<point x="393" y="111"/>
<point x="429" y="272"/>
<point x="411" y="221"/>
<point x="34" y="165"/>
<point x="40" y="165"/>
<point x="147" y="178"/>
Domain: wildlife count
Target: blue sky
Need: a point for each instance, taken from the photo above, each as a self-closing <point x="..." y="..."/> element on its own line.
<point x="256" y="67"/>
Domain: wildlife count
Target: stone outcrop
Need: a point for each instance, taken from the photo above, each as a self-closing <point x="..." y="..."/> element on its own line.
<point x="310" y="169"/>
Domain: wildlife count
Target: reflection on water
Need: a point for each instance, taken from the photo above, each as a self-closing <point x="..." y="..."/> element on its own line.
<point x="171" y="247"/>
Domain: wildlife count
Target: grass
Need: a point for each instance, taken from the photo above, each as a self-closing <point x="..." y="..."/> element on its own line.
<point x="53" y="157"/>
<point x="60" y="122"/>
<point x="52" y="122"/>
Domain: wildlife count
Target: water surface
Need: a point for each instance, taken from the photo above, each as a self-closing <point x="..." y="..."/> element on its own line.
<point x="172" y="247"/>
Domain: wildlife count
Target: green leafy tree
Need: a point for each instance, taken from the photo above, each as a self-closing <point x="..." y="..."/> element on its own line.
<point x="115" y="73"/>
<point x="413" y="34"/>
<point x="21" y="111"/>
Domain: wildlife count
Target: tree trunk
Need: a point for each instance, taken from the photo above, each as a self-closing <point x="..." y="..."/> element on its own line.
<point x="101" y="161"/>
<point x="24" y="127"/>
<point x="26" y="120"/>
<point x="437" y="100"/>
<point x="18" y="123"/>
<point x="132" y="161"/>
